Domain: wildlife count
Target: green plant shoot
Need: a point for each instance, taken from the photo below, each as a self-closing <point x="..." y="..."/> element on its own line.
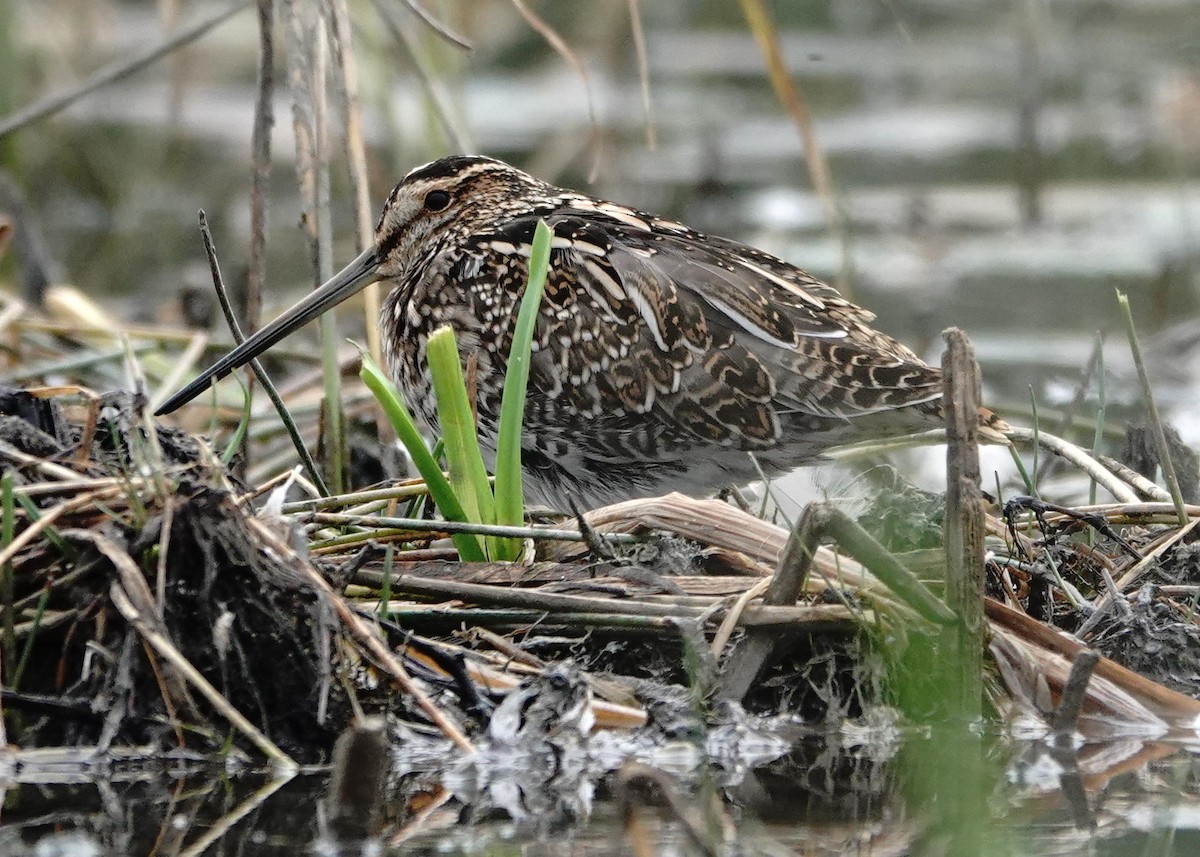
<point x="468" y="476"/>
<point x="443" y="495"/>
<point x="467" y="496"/>
<point x="510" y="509"/>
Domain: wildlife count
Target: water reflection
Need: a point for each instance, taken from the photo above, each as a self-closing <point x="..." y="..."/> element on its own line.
<point x="828" y="794"/>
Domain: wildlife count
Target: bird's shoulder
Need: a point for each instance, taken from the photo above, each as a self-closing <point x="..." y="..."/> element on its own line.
<point x="648" y="315"/>
<point x="680" y="284"/>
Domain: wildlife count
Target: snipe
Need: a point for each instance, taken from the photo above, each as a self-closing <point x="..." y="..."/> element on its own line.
<point x="662" y="355"/>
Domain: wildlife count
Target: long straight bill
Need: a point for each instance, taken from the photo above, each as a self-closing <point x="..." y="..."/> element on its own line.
<point x="352" y="279"/>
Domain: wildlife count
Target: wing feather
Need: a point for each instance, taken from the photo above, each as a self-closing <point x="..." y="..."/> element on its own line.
<point x="720" y="341"/>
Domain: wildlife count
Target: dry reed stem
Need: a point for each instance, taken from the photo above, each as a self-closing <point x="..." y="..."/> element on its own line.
<point x="717" y="524"/>
<point x="260" y="157"/>
<point x="1033" y="674"/>
<point x="1156" y="425"/>
<point x="437" y="26"/>
<point x="113" y="72"/>
<point x="180" y="368"/>
<point x="1166" y="544"/>
<point x="534" y="599"/>
<point x="1081" y="459"/>
<point x="712" y="522"/>
<point x="1140" y="483"/>
<point x="539" y="26"/>
<point x="639" y="49"/>
<point x="134" y="331"/>
<point x="305" y="46"/>
<point x="401" y="489"/>
<point x="746" y="662"/>
<point x="37" y="489"/>
<point x="51" y="515"/>
<point x="1161" y="700"/>
<point x="350" y="110"/>
<point x="56" y="471"/>
<point x="734" y="616"/>
<point x="1135" y="512"/>
<point x="164" y="547"/>
<point x="443" y="108"/>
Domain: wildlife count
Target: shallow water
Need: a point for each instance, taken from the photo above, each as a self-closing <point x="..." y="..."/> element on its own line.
<point x="860" y="794"/>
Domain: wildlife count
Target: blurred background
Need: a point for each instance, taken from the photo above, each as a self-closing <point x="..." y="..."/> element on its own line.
<point x="1002" y="167"/>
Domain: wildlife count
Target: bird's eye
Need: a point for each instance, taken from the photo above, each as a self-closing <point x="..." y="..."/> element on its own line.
<point x="436" y="200"/>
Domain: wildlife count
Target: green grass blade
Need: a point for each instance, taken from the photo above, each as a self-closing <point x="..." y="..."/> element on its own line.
<point x="35" y="514"/>
<point x="1152" y="417"/>
<point x="27" y="652"/>
<point x="443" y="495"/>
<point x="1033" y="468"/>
<point x="1016" y="457"/>
<point x="385" y="590"/>
<point x="468" y="476"/>
<point x="235" y="442"/>
<point x="510" y="509"/>
<point x="1098" y="437"/>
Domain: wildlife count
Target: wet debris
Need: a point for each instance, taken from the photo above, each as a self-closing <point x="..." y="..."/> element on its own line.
<point x="1158" y="637"/>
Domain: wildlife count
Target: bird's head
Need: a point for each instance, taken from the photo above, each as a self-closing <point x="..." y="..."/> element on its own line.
<point x="434" y="204"/>
<point x="444" y="201"/>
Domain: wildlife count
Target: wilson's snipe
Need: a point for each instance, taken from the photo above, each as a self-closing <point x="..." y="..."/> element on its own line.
<point x="662" y="356"/>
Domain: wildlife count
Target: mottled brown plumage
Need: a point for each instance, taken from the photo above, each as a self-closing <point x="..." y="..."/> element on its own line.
<point x="662" y="356"/>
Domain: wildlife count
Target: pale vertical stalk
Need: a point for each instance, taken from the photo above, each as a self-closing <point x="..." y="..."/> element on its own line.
<point x="351" y="114"/>
<point x="1098" y="437"/>
<point x="1037" y="427"/>
<point x="1160" y="438"/>
<point x="260" y="147"/>
<point x="306" y="84"/>
<point x="435" y="90"/>
<point x="331" y="370"/>
<point x="793" y="101"/>
<point x="639" y="47"/>
<point x="260" y="174"/>
<point x="963" y="529"/>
